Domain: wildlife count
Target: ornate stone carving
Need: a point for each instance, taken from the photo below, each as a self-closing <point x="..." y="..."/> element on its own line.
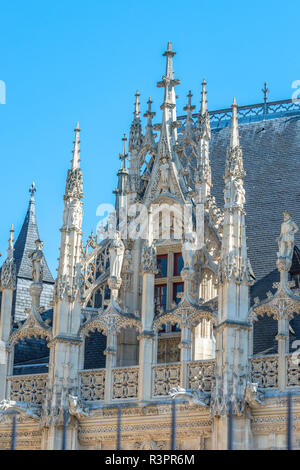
<point x="116" y="253"/>
<point x="92" y="384"/>
<point x="149" y="259"/>
<point x="193" y="396"/>
<point x="188" y="250"/>
<point x="165" y="377"/>
<point x="8" y="274"/>
<point x="74" y="184"/>
<point x="286" y="242"/>
<point x="76" y="408"/>
<point x="8" y="270"/>
<point x="28" y="389"/>
<point x="30" y="410"/>
<point x="264" y="371"/>
<point x="125" y="382"/>
<point x="37" y="260"/>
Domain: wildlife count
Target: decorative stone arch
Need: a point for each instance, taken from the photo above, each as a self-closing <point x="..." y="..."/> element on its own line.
<point x="36" y="335"/>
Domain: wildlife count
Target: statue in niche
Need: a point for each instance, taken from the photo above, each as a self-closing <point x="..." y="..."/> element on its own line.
<point x="116" y="254"/>
<point x="164" y="173"/>
<point x="286" y="239"/>
<point x="37" y="260"/>
<point x="188" y="250"/>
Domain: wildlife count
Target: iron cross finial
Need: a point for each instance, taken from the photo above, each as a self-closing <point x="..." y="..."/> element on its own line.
<point x="265" y="91"/>
<point x="32" y="189"/>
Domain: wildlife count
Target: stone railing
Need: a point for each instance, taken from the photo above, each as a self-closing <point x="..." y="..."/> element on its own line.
<point x="293" y="370"/>
<point x="125" y="382"/>
<point x="264" y="371"/>
<point x="201" y="375"/>
<point x="92" y="384"/>
<point x="165" y="377"/>
<point x="28" y="388"/>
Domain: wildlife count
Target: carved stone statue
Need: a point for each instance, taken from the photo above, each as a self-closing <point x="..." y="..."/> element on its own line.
<point x="164" y="173"/>
<point x="116" y="254"/>
<point x="188" y="250"/>
<point x="26" y="409"/>
<point x="286" y="239"/>
<point x="37" y="260"/>
<point x="76" y="408"/>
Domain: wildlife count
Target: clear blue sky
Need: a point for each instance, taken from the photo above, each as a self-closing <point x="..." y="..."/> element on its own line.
<point x="64" y="61"/>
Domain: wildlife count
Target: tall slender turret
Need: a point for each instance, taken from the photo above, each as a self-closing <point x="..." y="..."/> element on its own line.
<point x="72" y="217"/>
<point x="122" y="189"/>
<point x="168" y="107"/>
<point x="8" y="285"/>
<point x="235" y="276"/>
<point x="203" y="175"/>
<point x="135" y="143"/>
<point x="65" y="345"/>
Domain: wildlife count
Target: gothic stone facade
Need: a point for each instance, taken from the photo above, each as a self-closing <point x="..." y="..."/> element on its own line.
<point x="188" y="292"/>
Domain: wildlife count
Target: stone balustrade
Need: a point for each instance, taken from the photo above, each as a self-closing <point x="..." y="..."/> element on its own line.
<point x="28" y="388"/>
<point x="201" y="375"/>
<point x="293" y="370"/>
<point x="165" y="377"/>
<point x="92" y="384"/>
<point x="264" y="371"/>
<point x="125" y="382"/>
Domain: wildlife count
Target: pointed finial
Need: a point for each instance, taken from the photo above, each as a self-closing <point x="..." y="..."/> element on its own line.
<point x="234" y="137"/>
<point x="76" y="150"/>
<point x="10" y="249"/>
<point x="32" y="190"/>
<point x="169" y="66"/>
<point x="203" y="108"/>
<point x="265" y="91"/>
<point x="123" y="155"/>
<point x="137" y="105"/>
<point x="189" y="106"/>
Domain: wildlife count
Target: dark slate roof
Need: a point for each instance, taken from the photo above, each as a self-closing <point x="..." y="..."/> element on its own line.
<point x="271" y="153"/>
<point x="295" y="268"/>
<point x="25" y="245"/>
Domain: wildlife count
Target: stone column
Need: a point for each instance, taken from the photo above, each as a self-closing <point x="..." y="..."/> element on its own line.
<point x="283" y="325"/>
<point x="147" y="336"/>
<point x="111" y="361"/>
<point x="186" y="352"/>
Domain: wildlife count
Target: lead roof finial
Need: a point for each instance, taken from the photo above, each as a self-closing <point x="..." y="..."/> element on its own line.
<point x="32" y="190"/>
<point x="265" y="91"/>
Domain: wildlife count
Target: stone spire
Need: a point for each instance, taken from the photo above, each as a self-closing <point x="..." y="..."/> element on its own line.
<point x="74" y="187"/>
<point x="169" y="104"/>
<point x="136" y="133"/>
<point x="149" y="135"/>
<point x="203" y="135"/>
<point x="25" y="243"/>
<point x="203" y="123"/>
<point x="189" y="123"/>
<point x="235" y="277"/>
<point x="72" y="221"/>
<point x="8" y="271"/>
<point x="122" y="189"/>
<point x="234" y="250"/>
<point x="76" y="150"/>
